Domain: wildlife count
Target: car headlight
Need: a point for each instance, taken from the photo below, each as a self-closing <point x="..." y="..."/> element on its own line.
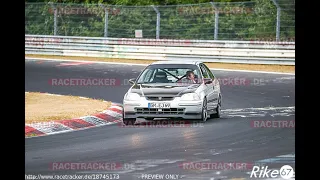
<point x="190" y="97"/>
<point x="132" y="97"/>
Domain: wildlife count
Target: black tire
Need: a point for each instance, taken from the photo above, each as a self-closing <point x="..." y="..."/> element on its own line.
<point x="204" y="112"/>
<point x="128" y="121"/>
<point x="218" y="110"/>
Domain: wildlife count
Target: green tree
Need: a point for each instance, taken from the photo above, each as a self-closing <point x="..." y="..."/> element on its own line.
<point x="250" y="20"/>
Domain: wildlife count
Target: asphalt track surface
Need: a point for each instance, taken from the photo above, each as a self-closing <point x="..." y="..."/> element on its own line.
<point x="162" y="150"/>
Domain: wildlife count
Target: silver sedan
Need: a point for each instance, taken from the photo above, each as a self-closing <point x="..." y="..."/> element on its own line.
<point x="170" y="89"/>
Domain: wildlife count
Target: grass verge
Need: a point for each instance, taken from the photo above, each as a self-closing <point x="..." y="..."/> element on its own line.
<point x="41" y="107"/>
<point x="251" y="67"/>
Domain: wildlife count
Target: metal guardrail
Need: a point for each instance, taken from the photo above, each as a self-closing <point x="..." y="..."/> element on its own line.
<point x="248" y="52"/>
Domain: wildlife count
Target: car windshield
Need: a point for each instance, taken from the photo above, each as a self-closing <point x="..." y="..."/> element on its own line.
<point x="169" y="73"/>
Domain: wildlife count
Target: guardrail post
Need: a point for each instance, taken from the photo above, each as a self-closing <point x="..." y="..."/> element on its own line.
<point x="106" y="20"/>
<point x="216" y="20"/>
<point x="55" y="19"/>
<point x="278" y="19"/>
<point x="158" y="21"/>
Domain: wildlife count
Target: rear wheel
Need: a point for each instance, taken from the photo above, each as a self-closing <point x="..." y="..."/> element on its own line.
<point x="218" y="110"/>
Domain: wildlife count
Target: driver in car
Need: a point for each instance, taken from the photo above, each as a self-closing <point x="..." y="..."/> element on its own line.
<point x="191" y="77"/>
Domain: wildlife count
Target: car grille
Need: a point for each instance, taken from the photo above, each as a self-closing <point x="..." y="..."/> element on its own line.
<point x="155" y="98"/>
<point x="155" y="111"/>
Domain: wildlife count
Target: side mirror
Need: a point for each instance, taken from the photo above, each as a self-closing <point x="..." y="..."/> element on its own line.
<point x="207" y="80"/>
<point x="132" y="81"/>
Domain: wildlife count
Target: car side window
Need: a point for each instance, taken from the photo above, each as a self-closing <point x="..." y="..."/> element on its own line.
<point x="209" y="71"/>
<point x="204" y="72"/>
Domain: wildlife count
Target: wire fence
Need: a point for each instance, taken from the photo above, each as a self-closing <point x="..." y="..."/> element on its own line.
<point x="259" y="20"/>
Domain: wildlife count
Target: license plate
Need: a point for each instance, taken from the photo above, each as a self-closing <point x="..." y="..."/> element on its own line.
<point x="159" y="105"/>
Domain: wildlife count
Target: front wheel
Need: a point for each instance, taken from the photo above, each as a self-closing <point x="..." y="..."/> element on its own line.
<point x="128" y="121"/>
<point x="204" y="113"/>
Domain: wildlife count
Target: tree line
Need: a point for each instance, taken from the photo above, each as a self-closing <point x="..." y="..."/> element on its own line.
<point x="195" y="19"/>
<point x="137" y="2"/>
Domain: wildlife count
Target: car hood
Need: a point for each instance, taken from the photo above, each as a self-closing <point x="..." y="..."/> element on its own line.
<point x="163" y="89"/>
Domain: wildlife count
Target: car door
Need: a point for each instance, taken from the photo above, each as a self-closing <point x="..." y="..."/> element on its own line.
<point x="215" y="86"/>
<point x="208" y="88"/>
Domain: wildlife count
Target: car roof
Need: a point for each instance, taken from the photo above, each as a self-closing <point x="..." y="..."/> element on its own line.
<point x="177" y="62"/>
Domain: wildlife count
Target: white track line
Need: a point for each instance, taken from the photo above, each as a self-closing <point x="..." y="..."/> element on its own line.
<point x="116" y="107"/>
<point x="52" y="94"/>
<point x="133" y="64"/>
<point x="112" y="113"/>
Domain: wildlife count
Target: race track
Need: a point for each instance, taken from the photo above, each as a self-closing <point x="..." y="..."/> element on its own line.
<point x="162" y="150"/>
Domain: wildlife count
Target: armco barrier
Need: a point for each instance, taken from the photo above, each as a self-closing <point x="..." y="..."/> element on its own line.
<point x="249" y="52"/>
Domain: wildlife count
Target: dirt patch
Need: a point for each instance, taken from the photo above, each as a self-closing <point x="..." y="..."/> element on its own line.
<point x="41" y="107"/>
<point x="251" y="67"/>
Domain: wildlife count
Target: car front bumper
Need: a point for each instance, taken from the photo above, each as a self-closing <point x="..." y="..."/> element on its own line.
<point x="178" y="109"/>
